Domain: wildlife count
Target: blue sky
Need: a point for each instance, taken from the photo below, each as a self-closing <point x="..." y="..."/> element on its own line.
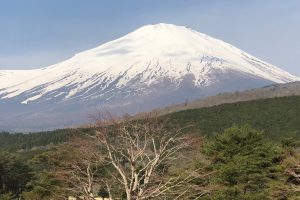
<point x="37" y="33"/>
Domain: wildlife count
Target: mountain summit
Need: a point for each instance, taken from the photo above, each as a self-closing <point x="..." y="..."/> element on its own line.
<point x="154" y="66"/>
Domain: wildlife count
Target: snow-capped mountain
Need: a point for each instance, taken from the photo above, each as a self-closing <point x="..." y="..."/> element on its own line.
<point x="154" y="66"/>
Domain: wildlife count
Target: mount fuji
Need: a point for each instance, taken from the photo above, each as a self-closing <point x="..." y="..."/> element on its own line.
<point x="154" y="66"/>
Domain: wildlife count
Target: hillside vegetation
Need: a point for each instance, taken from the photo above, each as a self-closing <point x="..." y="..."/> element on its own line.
<point x="277" y="116"/>
<point x="239" y="151"/>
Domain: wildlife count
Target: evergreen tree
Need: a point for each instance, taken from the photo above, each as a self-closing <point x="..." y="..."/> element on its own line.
<point x="14" y="175"/>
<point x="244" y="162"/>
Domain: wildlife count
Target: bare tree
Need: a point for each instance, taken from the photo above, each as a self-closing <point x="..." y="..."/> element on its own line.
<point x="139" y="153"/>
<point x="136" y="156"/>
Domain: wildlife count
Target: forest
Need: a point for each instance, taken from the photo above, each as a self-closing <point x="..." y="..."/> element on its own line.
<point x="247" y="150"/>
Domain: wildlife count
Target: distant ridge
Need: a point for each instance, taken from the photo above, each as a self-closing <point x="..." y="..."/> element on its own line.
<point x="267" y="92"/>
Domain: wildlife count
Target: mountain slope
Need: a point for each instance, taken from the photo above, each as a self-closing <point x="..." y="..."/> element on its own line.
<point x="151" y="67"/>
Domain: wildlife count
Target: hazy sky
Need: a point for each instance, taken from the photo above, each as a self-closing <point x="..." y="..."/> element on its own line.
<point x="37" y="33"/>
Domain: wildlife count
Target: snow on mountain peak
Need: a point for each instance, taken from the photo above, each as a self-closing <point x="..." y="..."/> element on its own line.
<point x="170" y="43"/>
<point x="147" y="55"/>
